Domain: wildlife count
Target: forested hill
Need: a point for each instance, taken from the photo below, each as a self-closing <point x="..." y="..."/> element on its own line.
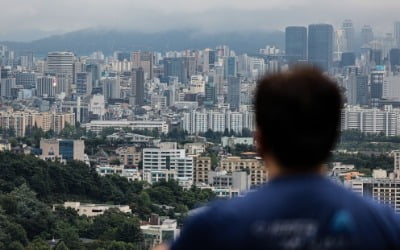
<point x="29" y="187"/>
<point x="84" y="42"/>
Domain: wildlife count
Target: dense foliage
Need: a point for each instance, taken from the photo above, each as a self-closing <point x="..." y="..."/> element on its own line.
<point x="366" y="151"/>
<point x="29" y="188"/>
<point x="354" y="140"/>
<point x="365" y="161"/>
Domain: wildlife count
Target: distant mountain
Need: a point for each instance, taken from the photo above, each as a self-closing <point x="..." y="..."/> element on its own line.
<point x="84" y="42"/>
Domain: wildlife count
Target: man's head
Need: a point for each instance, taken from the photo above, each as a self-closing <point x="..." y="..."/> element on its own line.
<point x="298" y="118"/>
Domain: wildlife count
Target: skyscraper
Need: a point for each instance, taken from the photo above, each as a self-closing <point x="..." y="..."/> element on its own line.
<point x="320" y="45"/>
<point x="350" y="83"/>
<point x="146" y="63"/>
<point x="362" y="90"/>
<point x="367" y="35"/>
<point x="348" y="59"/>
<point x="111" y="88"/>
<point x="230" y="66"/>
<point x="376" y="56"/>
<point x="94" y="71"/>
<point x="143" y="60"/>
<point x="83" y="83"/>
<point x="26" y="79"/>
<point x="175" y="67"/>
<point x="349" y="35"/>
<point x="234" y="92"/>
<point x="6" y="87"/>
<point x="209" y="58"/>
<point x="46" y="86"/>
<point x="378" y="82"/>
<point x="397" y="33"/>
<point x="138" y="85"/>
<point x="296" y="44"/>
<point x="394" y="57"/>
<point x="60" y="62"/>
<point x="210" y="94"/>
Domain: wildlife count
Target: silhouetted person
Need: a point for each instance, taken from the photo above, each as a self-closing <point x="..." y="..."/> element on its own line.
<point x="298" y="122"/>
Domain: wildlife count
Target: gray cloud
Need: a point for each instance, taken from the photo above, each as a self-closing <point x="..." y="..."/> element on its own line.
<point x="24" y="19"/>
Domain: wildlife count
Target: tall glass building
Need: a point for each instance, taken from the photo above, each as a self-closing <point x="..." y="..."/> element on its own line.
<point x="296" y="44"/>
<point x="320" y="45"/>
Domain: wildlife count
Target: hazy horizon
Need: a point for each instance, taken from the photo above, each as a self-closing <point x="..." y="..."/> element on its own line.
<point x="27" y="21"/>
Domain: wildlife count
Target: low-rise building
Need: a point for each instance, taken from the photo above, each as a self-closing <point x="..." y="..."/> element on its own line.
<point x="202" y="166"/>
<point x="62" y="149"/>
<point x="339" y="168"/>
<point x="195" y="148"/>
<point x="129" y="156"/>
<point x="255" y="168"/>
<point x="154" y="176"/>
<point x="132" y="174"/>
<point x="167" y="159"/>
<point x="379" y="174"/>
<point x="98" y="126"/>
<point x="131" y="137"/>
<point x="91" y="210"/>
<point x="233" y="141"/>
<point x="385" y="191"/>
<point x="159" y="233"/>
<point x="5" y="145"/>
<point x="238" y="181"/>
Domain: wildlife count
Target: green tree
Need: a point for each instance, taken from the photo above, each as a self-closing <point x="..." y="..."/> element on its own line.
<point x="115" y="225"/>
<point x="28" y="211"/>
<point x="118" y="245"/>
<point x="69" y="235"/>
<point x="38" y="244"/>
<point x="61" y="246"/>
<point x="15" y="245"/>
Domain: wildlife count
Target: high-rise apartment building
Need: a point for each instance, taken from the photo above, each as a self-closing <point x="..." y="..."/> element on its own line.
<point x="320" y="45"/>
<point x="371" y="121"/>
<point x="218" y="121"/>
<point x="19" y="121"/>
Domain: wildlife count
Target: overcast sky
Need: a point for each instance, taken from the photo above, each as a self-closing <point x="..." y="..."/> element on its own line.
<point x="32" y="19"/>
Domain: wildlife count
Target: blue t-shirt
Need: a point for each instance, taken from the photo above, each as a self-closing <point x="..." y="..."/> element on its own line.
<point x="293" y="212"/>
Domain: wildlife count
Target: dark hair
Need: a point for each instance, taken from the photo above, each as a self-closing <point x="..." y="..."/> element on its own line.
<point x="298" y="117"/>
